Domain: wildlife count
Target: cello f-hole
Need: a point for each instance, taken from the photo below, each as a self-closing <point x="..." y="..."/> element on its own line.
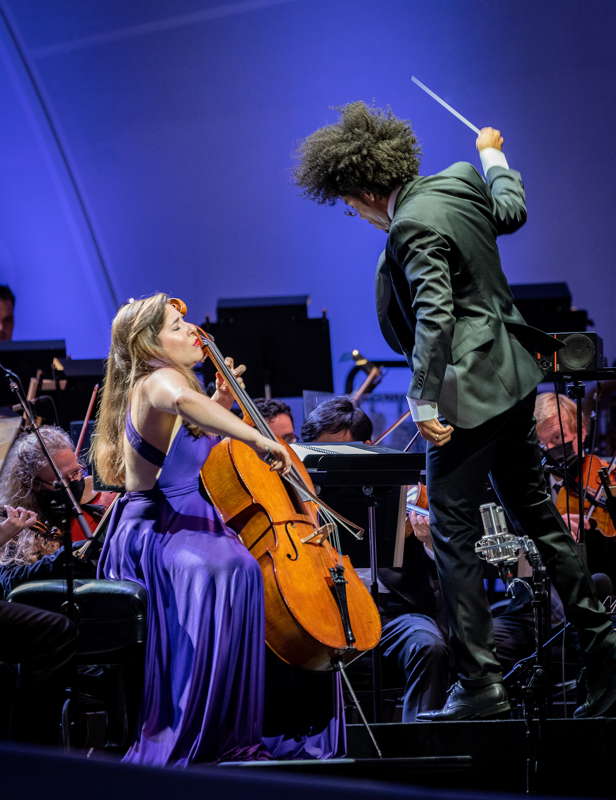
<point x="290" y="538"/>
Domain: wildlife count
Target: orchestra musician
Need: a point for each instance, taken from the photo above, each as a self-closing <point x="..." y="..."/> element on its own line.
<point x="444" y="302"/>
<point x="279" y="417"/>
<point x="41" y="642"/>
<point x="203" y="696"/>
<point x="28" y="480"/>
<point x="7" y="313"/>
<point x="337" y="420"/>
<point x="414" y="642"/>
<point x="560" y="445"/>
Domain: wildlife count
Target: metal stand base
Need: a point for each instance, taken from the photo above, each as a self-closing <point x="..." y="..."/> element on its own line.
<point x="360" y="711"/>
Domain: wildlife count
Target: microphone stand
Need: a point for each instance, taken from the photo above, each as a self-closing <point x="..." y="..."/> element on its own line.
<point x="69" y="606"/>
<point x="576" y="391"/>
<point x="500" y="547"/>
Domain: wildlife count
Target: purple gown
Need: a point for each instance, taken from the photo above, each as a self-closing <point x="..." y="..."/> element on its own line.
<point x="203" y="696"/>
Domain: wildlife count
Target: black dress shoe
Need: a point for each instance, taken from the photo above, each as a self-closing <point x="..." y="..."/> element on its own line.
<point x="488" y="701"/>
<point x="601" y="696"/>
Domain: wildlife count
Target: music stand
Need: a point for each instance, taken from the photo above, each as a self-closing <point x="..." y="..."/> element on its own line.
<point x="25" y="359"/>
<point x="10" y="424"/>
<point x="249" y="330"/>
<point x="371" y="476"/>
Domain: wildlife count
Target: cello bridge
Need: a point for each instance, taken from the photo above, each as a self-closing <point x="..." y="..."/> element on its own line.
<point x="320" y="534"/>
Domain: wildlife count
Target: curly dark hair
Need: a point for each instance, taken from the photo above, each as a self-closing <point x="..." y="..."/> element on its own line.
<point x="368" y="150"/>
<point x="272" y="407"/>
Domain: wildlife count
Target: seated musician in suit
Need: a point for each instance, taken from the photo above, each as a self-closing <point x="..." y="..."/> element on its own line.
<point x="413" y="641"/>
<point x="41" y="642"/>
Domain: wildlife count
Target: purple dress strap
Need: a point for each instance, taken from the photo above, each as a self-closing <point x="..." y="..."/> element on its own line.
<point x="139" y="444"/>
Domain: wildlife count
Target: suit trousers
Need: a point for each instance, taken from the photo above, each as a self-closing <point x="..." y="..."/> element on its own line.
<point x="42" y="643"/>
<point x="415" y="644"/>
<point x="505" y="450"/>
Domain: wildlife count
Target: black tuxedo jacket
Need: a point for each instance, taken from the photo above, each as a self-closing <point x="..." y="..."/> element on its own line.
<point x="443" y="299"/>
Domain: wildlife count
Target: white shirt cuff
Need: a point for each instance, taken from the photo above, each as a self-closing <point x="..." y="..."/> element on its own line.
<point x="491" y="157"/>
<point x="422" y="410"/>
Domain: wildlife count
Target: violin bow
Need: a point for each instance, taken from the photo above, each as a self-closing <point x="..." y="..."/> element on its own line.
<point x="84" y="427"/>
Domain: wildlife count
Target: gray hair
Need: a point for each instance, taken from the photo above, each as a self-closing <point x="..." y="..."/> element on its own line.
<point x="17" y="488"/>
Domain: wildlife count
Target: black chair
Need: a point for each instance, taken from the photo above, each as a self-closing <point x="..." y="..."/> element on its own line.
<point x="112" y="628"/>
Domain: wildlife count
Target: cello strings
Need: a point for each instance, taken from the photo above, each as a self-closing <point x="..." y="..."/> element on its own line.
<point x="294" y="478"/>
<point x="325" y="510"/>
<point x="244" y="398"/>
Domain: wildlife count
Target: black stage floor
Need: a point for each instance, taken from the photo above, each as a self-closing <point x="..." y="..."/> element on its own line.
<point x="436" y="761"/>
<point x="562" y="757"/>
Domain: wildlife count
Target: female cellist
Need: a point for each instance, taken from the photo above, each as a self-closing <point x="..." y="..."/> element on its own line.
<point x="203" y="698"/>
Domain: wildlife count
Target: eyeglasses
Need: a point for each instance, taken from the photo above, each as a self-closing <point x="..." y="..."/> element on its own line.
<point x="74" y="475"/>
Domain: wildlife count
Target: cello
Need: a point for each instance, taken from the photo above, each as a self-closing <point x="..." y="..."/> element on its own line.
<point x="318" y="613"/>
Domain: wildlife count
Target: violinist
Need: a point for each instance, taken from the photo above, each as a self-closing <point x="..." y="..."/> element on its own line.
<point x="203" y="694"/>
<point x="28" y="480"/>
<point x="35" y="552"/>
<point x="561" y="452"/>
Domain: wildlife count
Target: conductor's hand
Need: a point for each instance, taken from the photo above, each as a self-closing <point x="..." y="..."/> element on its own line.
<point x="489" y="137"/>
<point x="223" y="395"/>
<point x="273" y="453"/>
<point x="433" y="431"/>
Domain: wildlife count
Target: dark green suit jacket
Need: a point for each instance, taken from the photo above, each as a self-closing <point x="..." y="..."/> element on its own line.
<point x="443" y="299"/>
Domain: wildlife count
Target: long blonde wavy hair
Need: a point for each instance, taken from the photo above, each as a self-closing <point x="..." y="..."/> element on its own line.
<point x="134" y="353"/>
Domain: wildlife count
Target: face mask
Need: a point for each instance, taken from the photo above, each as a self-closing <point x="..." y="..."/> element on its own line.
<point x="560" y="457"/>
<point x="54" y="502"/>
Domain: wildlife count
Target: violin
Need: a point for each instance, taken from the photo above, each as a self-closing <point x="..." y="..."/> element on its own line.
<point x="50" y="533"/>
<point x="417" y="499"/>
<point x="595" y="505"/>
<point x="318" y="613"/>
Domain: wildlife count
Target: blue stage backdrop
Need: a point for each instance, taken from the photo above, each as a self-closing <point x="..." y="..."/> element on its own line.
<point x="148" y="146"/>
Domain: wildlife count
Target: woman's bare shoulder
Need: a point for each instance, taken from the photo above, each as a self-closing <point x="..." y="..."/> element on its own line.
<point x="160" y="389"/>
<point x="163" y="376"/>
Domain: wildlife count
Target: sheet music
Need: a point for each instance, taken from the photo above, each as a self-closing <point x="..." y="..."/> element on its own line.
<point x="332" y="449"/>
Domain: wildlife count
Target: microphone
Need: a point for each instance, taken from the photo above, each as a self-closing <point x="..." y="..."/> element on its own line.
<point x="497" y="546"/>
<point x="603" y="585"/>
